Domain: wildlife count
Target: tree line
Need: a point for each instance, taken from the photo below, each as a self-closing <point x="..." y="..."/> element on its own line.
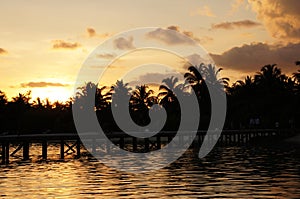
<point x="269" y="99"/>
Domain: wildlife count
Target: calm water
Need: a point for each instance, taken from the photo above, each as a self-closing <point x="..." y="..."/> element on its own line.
<point x="228" y="172"/>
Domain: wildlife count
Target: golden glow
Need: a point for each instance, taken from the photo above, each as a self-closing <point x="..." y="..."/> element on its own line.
<point x="52" y="93"/>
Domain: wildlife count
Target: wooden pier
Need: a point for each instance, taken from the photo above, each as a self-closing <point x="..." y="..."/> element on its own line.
<point x="24" y="141"/>
<point x="124" y="141"/>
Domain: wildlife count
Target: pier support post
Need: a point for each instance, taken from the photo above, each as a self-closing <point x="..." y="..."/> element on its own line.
<point x="158" y="142"/>
<point x="181" y="138"/>
<point x="7" y="153"/>
<point x="240" y="138"/>
<point x="169" y="139"/>
<point x="3" y="153"/>
<point x="62" y="149"/>
<point x="122" y="144"/>
<point x="94" y="145"/>
<point x="146" y="144"/>
<point x="44" y="149"/>
<point x="134" y="144"/>
<point x="230" y="139"/>
<point x="199" y="138"/>
<point x="78" y="148"/>
<point x="108" y="144"/>
<point x="26" y="150"/>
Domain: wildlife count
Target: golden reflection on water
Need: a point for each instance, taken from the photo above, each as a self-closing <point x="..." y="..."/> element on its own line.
<point x="230" y="172"/>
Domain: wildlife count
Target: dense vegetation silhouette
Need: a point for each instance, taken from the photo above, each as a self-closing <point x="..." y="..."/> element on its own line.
<point x="269" y="99"/>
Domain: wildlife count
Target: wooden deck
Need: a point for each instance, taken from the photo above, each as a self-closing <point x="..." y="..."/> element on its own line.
<point x="228" y="137"/>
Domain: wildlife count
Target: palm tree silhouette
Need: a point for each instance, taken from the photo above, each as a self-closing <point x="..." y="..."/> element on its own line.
<point x="121" y="88"/>
<point x="3" y="103"/>
<point x="22" y="100"/>
<point x="86" y="90"/>
<point x="296" y="79"/>
<point x="201" y="76"/>
<point x="3" y="99"/>
<point x="19" y="105"/>
<point x="211" y="77"/>
<point x="120" y="91"/>
<point x="195" y="78"/>
<point x="271" y="91"/>
<point x="296" y="75"/>
<point x="242" y="88"/>
<point x="85" y="96"/>
<point x="102" y="99"/>
<point x="142" y="99"/>
<point x="241" y="102"/>
<point x="270" y="76"/>
<point x="168" y="89"/>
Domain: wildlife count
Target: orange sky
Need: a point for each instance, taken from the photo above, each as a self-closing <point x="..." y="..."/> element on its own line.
<point x="44" y="44"/>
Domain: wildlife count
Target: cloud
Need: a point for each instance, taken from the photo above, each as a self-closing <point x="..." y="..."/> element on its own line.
<point x="280" y="17"/>
<point x="60" y="44"/>
<point x="42" y="84"/>
<point x="190" y="34"/>
<point x="196" y="58"/>
<point x="106" y="56"/>
<point x="176" y="28"/>
<point x="169" y="37"/>
<point x="91" y="32"/>
<point x="172" y="38"/>
<point x="252" y="57"/>
<point x="2" y="51"/>
<point x="123" y="43"/>
<point x="203" y="11"/>
<point x="235" y="24"/>
<point x="205" y="40"/>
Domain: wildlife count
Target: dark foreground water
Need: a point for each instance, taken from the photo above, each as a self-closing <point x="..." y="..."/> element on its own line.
<point x="228" y="172"/>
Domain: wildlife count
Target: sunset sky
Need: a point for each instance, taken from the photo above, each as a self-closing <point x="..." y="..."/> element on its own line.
<point x="43" y="44"/>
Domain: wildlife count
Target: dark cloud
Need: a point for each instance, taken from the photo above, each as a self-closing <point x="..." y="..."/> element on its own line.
<point x="176" y="28"/>
<point x="249" y="58"/>
<point x="202" y="40"/>
<point x="185" y="32"/>
<point x="123" y="43"/>
<point x="91" y="32"/>
<point x="169" y="37"/>
<point x="195" y="58"/>
<point x="60" y="44"/>
<point x="280" y="17"/>
<point x="2" y="51"/>
<point x="42" y="84"/>
<point x="106" y="56"/>
<point x="173" y="38"/>
<point x="235" y="24"/>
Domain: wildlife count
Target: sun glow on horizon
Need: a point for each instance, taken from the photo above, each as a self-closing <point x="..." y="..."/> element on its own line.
<point x="53" y="94"/>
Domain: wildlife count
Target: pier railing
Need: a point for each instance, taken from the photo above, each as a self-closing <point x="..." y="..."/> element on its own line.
<point x="125" y="141"/>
